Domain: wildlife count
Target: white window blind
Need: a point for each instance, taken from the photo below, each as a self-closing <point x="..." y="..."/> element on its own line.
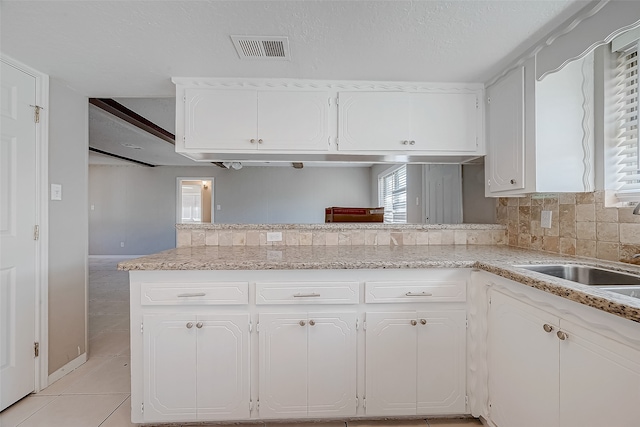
<point x="392" y="192"/>
<point x="626" y="157"/>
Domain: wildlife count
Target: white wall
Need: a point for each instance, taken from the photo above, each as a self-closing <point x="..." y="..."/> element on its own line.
<point x="137" y="205"/>
<point x="68" y="228"/>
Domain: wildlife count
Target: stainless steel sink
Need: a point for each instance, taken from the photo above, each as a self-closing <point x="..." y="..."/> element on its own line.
<point x="609" y="280"/>
<point x="584" y="274"/>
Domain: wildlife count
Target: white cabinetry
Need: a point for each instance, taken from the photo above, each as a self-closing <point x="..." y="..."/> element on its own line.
<point x="546" y="370"/>
<point x="196" y="367"/>
<point x="241" y="120"/>
<point x="401" y="121"/>
<point x="307" y="364"/>
<point x="415" y="362"/>
<point x="540" y="133"/>
<point x="415" y="355"/>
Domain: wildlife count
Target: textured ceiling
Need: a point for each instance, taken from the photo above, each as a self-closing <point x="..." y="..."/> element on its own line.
<point x="133" y="48"/>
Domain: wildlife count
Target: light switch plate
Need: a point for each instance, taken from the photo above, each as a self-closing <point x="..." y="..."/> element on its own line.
<point x="545" y="219"/>
<point x="56" y="191"/>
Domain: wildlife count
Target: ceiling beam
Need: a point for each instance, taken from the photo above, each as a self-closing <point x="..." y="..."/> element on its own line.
<point x="115" y="108"/>
<point x="95" y="150"/>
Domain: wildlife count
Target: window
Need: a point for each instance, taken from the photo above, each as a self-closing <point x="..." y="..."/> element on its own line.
<point x="392" y="194"/>
<point x="625" y="156"/>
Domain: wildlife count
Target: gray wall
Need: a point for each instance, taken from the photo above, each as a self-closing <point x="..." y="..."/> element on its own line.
<point x="137" y="205"/>
<point x="68" y="229"/>
<point x="476" y="209"/>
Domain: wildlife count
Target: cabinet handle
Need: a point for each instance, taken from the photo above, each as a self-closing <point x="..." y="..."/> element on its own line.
<point x="513" y="181"/>
<point x="253" y="141"/>
<point x="414" y="323"/>
<point x="189" y="325"/>
<point x="312" y="322"/>
<point x="311" y="295"/>
<point x="562" y="335"/>
<point x="302" y="323"/>
<point x="259" y="141"/>
<point x="405" y="142"/>
<point x="547" y="328"/>
<point x="195" y="294"/>
<point x="199" y="325"/>
<point x="412" y="143"/>
<point x="419" y="294"/>
<point x="423" y="321"/>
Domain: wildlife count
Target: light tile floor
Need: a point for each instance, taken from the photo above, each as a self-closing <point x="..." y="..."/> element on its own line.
<point x="97" y="393"/>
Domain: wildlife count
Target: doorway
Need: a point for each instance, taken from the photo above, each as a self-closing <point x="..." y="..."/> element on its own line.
<point x="194" y="202"/>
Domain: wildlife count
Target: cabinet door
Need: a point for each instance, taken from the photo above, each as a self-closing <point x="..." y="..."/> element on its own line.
<point x="441" y="362"/>
<point x="332" y="365"/>
<point x="599" y="380"/>
<point x="223" y="367"/>
<point x="523" y="364"/>
<point x="220" y="119"/>
<point x="169" y="352"/>
<point x="444" y="122"/>
<point x="373" y="121"/>
<point x="283" y="365"/>
<point x="390" y="358"/>
<point x="505" y="133"/>
<point x="293" y="120"/>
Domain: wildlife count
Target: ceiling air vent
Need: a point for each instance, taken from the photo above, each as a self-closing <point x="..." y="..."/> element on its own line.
<point x="262" y="47"/>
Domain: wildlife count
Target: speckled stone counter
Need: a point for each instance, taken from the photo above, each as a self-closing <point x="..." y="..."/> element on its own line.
<point x="499" y="260"/>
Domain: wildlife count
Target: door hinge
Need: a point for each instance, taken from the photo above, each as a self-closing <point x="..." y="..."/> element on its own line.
<point x="329" y="140"/>
<point x="141" y="328"/>
<point x="489" y="182"/>
<point x="36" y="232"/>
<point x="357" y="401"/>
<point x="184" y="98"/>
<point x="466" y="323"/>
<point x="477" y="103"/>
<point x="476" y="141"/>
<point x="466" y="400"/>
<point x="250" y="405"/>
<point x="36" y="113"/>
<point x="258" y="404"/>
<point x="250" y="327"/>
<point x="357" y="325"/>
<point x="142" y="408"/>
<point x="364" y="326"/>
<point x="258" y="327"/>
<point x="36" y="349"/>
<point x="489" y="100"/>
<point x="337" y="141"/>
<point x="364" y="403"/>
<point x="329" y="100"/>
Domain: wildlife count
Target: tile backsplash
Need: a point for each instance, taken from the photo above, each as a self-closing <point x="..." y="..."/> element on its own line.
<point x="580" y="225"/>
<point x="337" y="234"/>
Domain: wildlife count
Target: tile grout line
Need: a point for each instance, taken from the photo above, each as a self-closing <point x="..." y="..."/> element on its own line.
<point x="114" y="411"/>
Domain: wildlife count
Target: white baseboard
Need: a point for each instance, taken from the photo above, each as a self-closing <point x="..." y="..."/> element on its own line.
<point x="74" y="364"/>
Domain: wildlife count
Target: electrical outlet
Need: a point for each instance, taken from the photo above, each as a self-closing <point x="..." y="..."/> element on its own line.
<point x="274" y="236"/>
<point x="545" y="219"/>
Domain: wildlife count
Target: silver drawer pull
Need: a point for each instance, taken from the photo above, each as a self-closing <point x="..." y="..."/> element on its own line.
<point x="311" y="295"/>
<point x="419" y="294"/>
<point x="195" y="294"/>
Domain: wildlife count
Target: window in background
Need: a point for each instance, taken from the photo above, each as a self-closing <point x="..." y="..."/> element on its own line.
<point x="625" y="155"/>
<point x="392" y="194"/>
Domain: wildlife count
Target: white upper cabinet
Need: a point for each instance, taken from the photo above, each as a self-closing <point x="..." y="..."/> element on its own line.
<point x="540" y="133"/>
<point x="403" y="121"/>
<point x="304" y="120"/>
<point x="241" y="120"/>
<point x="374" y="121"/>
<point x="504" y="163"/>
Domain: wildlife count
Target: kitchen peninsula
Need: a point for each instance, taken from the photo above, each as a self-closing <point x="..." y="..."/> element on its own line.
<point x="409" y="321"/>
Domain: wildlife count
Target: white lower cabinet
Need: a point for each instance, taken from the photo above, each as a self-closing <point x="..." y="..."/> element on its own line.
<point x="415" y="362"/>
<point x="307" y="364"/>
<point x="196" y="367"/>
<point x="548" y="371"/>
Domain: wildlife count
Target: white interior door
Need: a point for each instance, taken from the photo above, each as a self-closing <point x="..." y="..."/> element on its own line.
<point x="17" y="244"/>
<point x="443" y="188"/>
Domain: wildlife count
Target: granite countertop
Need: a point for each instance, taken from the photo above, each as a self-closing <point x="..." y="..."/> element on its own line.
<point x="499" y="260"/>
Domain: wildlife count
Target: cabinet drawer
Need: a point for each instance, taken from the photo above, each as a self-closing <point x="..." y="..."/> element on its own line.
<point x="415" y="291"/>
<point x="217" y="293"/>
<point x="307" y="293"/>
